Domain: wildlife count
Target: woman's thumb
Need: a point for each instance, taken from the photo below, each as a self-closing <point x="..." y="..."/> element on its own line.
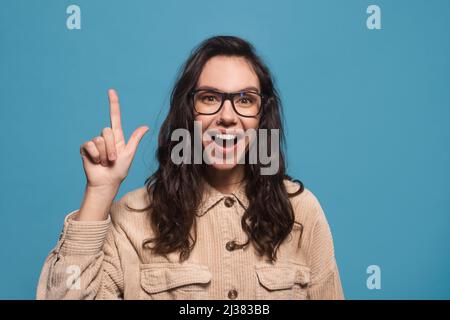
<point x="136" y="138"/>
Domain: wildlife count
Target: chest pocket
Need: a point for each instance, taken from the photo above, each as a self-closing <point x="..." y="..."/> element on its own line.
<point x="282" y="281"/>
<point x="169" y="281"/>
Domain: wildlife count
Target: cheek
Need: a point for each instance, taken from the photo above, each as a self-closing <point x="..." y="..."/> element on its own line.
<point x="205" y="121"/>
<point x="250" y="123"/>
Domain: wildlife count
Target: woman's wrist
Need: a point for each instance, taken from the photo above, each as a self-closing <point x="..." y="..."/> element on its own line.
<point x="96" y="203"/>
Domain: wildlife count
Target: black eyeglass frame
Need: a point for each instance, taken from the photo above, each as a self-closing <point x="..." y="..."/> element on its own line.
<point x="229" y="96"/>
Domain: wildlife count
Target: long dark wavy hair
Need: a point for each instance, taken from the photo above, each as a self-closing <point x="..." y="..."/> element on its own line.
<point x="176" y="190"/>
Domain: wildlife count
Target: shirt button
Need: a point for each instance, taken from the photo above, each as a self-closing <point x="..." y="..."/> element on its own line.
<point x="231" y="245"/>
<point x="229" y="202"/>
<point x="232" y="294"/>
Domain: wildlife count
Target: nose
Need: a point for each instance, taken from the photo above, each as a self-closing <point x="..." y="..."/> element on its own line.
<point x="227" y="116"/>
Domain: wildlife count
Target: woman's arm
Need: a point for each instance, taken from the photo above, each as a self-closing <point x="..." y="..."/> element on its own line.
<point x="325" y="279"/>
<point x="84" y="264"/>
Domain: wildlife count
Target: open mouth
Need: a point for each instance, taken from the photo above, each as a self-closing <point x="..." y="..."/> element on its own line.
<point x="225" y="139"/>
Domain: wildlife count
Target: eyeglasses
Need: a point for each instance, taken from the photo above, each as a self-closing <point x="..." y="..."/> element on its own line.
<point x="245" y="103"/>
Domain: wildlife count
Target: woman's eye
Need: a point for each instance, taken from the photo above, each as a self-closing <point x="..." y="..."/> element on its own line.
<point x="245" y="100"/>
<point x="209" y="99"/>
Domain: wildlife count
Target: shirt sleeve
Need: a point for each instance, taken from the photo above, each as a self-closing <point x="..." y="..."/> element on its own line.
<point x="84" y="265"/>
<point x="325" y="279"/>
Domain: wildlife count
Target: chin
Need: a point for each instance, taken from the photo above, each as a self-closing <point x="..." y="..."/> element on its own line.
<point x="223" y="166"/>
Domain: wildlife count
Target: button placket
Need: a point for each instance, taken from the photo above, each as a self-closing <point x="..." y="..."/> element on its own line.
<point x="230" y="207"/>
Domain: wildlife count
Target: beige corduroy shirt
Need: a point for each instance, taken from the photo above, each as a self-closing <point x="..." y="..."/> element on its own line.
<point x="106" y="259"/>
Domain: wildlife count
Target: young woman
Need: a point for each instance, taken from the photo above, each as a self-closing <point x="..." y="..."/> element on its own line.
<point x="208" y="230"/>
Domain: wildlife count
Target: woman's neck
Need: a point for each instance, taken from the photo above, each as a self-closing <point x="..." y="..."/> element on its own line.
<point x="225" y="181"/>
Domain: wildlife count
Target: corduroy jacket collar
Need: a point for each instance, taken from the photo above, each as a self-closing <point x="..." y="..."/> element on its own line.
<point x="212" y="197"/>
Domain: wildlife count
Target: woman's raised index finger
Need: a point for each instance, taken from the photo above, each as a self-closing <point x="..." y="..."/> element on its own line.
<point x="114" y="113"/>
<point x="114" y="110"/>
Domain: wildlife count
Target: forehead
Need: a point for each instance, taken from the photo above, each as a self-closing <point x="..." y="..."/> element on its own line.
<point x="228" y="74"/>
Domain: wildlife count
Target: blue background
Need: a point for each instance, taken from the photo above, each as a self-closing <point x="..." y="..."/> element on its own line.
<point x="367" y="116"/>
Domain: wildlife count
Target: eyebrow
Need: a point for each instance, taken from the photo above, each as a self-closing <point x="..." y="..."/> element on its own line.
<point x="250" y="88"/>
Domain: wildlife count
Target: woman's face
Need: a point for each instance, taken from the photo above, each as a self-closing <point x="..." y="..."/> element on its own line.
<point x="227" y="74"/>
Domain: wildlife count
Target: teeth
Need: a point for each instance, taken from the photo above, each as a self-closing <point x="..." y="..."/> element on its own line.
<point x="226" y="136"/>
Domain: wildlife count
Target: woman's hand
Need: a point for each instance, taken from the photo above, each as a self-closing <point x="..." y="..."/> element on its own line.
<point x="106" y="161"/>
<point x="107" y="158"/>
